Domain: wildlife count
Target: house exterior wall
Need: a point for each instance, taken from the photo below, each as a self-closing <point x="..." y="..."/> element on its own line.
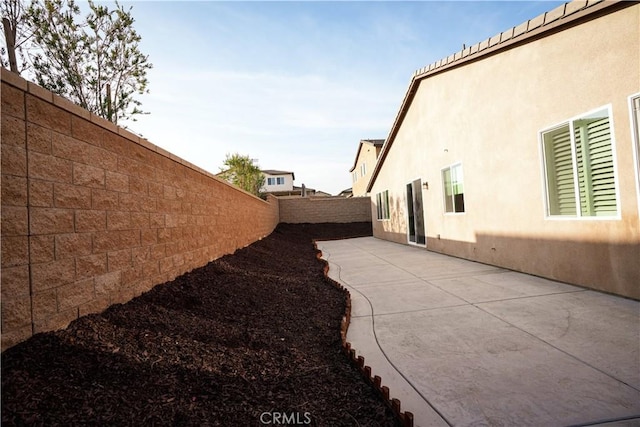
<point x="367" y="156"/>
<point x="488" y="115"/>
<point x="287" y="186"/>
<point x="296" y="210"/>
<point x="92" y="215"/>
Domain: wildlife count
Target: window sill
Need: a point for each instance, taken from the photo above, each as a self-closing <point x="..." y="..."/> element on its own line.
<point x="582" y="218"/>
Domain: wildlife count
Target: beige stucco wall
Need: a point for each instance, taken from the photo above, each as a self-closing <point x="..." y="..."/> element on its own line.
<point x="488" y="115"/>
<point x="367" y="156"/>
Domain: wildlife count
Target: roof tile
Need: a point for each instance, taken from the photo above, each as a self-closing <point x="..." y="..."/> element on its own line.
<point x="495" y="40"/>
<point x="555" y="14"/>
<point x="574" y="6"/>
<point x="520" y="29"/>
<point x="506" y="35"/>
<point x="536" y="22"/>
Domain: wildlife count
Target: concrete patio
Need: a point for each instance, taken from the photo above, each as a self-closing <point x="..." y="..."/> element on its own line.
<point x="467" y="344"/>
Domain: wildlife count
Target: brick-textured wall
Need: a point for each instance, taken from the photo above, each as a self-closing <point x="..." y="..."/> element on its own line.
<point x="92" y="215"/>
<point x="324" y="209"/>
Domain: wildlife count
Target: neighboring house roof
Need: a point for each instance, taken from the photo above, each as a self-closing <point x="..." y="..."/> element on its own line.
<point x="374" y="142"/>
<point x="321" y="194"/>
<point x="556" y="20"/>
<point x="347" y="192"/>
<point x="275" y="172"/>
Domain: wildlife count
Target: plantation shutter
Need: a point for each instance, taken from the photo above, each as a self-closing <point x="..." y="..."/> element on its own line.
<point x="448" y="193"/>
<point x="385" y="204"/>
<point x="594" y="156"/>
<point x="560" y="178"/>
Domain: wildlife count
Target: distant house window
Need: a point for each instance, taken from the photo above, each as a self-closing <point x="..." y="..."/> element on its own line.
<point x="579" y="167"/>
<point x="452" y="180"/>
<point x="275" y="181"/>
<point x="355" y="176"/>
<point x="363" y="169"/>
<point x="382" y="203"/>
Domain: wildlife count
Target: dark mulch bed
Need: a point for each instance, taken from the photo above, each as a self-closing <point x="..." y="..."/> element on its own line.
<point x="251" y="333"/>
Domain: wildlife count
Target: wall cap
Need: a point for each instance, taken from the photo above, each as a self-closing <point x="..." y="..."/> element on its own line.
<point x="17" y="81"/>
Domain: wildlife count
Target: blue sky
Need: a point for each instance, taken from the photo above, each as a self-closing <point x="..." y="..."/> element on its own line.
<point x="295" y="84"/>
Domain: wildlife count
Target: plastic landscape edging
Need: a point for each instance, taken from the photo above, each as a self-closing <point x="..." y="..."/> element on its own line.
<point x="406" y="417"/>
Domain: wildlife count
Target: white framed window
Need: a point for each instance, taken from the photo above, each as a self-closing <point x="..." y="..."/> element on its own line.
<point x="280" y="180"/>
<point x="453" y="188"/>
<point x="382" y="204"/>
<point x="363" y="169"/>
<point x="271" y="181"/>
<point x="579" y="166"/>
<point x="355" y="176"/>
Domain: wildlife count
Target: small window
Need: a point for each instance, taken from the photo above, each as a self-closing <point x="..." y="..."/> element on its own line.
<point x="271" y="181"/>
<point x="382" y="204"/>
<point x="363" y="169"/>
<point x="355" y="176"/>
<point x="280" y="181"/>
<point x="579" y="167"/>
<point x="452" y="179"/>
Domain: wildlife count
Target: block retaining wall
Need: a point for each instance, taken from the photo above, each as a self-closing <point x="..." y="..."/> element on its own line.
<point x="93" y="215"/>
<point x="298" y="210"/>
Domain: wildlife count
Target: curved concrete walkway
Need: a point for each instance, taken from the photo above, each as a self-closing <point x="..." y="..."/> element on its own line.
<point x="467" y="344"/>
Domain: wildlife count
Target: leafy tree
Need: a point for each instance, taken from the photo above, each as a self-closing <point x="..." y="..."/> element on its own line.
<point x="94" y="61"/>
<point x="243" y="172"/>
<point x="17" y="36"/>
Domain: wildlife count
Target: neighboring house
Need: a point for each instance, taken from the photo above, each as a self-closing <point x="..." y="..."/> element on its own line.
<point x="346" y="193"/>
<point x="522" y="151"/>
<point x="280" y="183"/>
<point x="277" y="181"/>
<point x="366" y="157"/>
